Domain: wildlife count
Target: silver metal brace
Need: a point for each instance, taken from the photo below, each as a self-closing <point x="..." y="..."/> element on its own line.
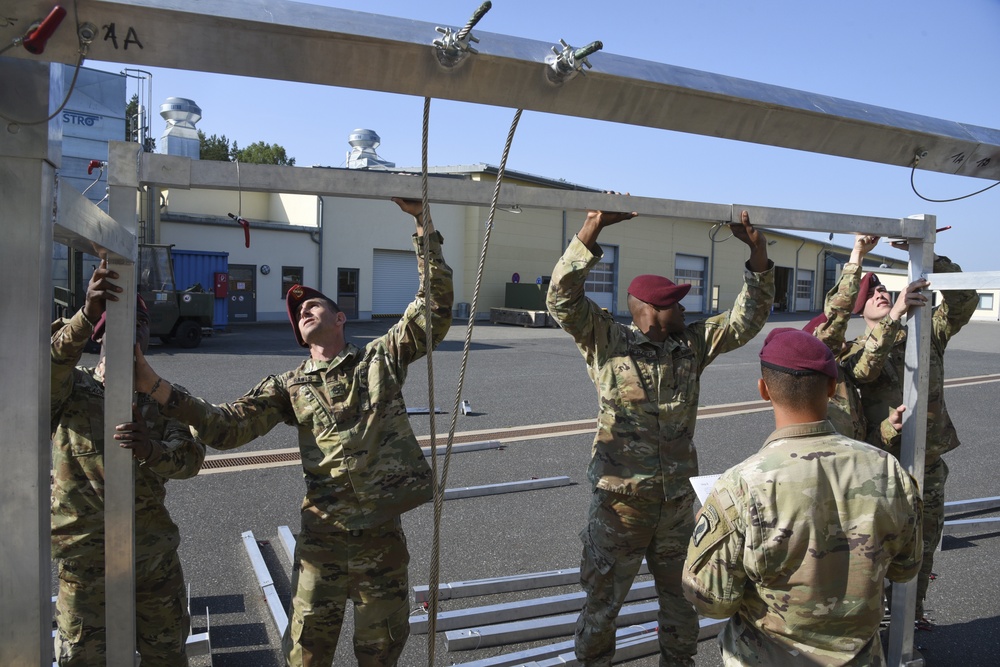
<point x="566" y="63"/>
<point x="454" y="47"/>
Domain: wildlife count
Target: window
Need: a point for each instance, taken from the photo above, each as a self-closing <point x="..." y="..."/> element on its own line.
<point x="985" y="301"/>
<point x="290" y="275"/>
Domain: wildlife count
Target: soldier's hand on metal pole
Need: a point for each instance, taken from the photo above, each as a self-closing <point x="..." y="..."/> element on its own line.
<point x="100" y="290"/>
<point x="863" y="244"/>
<point x="911" y="297"/>
<point x="135" y="436"/>
<point x="896" y="418"/>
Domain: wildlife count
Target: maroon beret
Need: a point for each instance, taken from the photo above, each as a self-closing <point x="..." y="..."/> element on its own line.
<point x="797" y="352"/>
<point x="99" y="326"/>
<point x="657" y="290"/>
<point x="811" y="325"/>
<point x="294" y="298"/>
<point x="868" y="285"/>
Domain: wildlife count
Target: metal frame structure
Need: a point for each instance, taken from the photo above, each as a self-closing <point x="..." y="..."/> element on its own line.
<point x="380" y="53"/>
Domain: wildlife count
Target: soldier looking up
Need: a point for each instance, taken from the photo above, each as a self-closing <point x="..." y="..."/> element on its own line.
<point x="865" y="362"/>
<point x="879" y="396"/>
<point x="360" y="459"/>
<point x="163" y="448"/>
<point x="648" y="378"/>
<point x="792" y="544"/>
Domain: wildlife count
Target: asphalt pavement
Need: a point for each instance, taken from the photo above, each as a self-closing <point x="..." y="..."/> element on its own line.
<point x="517" y="377"/>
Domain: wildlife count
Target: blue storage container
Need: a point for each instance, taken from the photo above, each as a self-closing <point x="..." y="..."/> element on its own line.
<point x="199" y="267"/>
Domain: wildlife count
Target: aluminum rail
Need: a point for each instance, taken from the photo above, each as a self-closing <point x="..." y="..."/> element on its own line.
<point x="373" y="52"/>
<point x="166" y="171"/>
<point x="508" y="584"/>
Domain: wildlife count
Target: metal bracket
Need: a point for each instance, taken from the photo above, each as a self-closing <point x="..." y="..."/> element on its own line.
<point x="454" y="47"/>
<point x="566" y="63"/>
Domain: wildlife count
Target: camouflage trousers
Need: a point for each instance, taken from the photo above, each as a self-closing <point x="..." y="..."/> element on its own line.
<point x="620" y="531"/>
<point x="935" y="476"/>
<point x="369" y="567"/>
<point x="162" y="621"/>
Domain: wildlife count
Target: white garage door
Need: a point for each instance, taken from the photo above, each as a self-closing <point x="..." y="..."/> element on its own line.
<point x="394" y="282"/>
<point x="689" y="269"/>
<point x="600" y="284"/>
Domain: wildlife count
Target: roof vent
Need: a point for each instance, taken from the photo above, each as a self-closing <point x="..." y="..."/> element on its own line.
<point x="180" y="136"/>
<point x="362" y="156"/>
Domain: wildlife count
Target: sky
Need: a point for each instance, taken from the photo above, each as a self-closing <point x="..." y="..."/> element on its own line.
<point x="925" y="57"/>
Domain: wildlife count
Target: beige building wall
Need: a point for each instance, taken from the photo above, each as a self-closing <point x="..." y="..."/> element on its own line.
<point x="526" y="243"/>
<point x="217" y="203"/>
<point x="354" y="228"/>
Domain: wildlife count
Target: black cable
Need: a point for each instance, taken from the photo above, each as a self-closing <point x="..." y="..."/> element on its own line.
<point x="945" y="201"/>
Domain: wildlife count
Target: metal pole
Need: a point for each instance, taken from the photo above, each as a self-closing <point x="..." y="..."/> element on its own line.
<point x="119" y="467"/>
<point x="29" y="156"/>
<point x="915" y="382"/>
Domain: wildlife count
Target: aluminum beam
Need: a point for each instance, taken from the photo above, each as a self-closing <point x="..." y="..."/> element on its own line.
<point x="165" y="171"/>
<point x="544" y="652"/>
<point x="464" y="447"/>
<point x="278" y="614"/>
<point x="972" y="526"/>
<point x="973" y="505"/>
<point x="543" y="628"/>
<point x="119" y="466"/>
<point x="27" y="168"/>
<point x="977" y="280"/>
<point x="287" y="542"/>
<point x="506" y="487"/>
<point x="635" y="647"/>
<point x="510" y="584"/>
<point x="82" y="226"/>
<point x="916" y="375"/>
<point x="372" y="52"/>
<point x="519" y="611"/>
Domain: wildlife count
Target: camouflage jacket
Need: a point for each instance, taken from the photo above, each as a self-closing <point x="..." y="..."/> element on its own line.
<point x="360" y="459"/>
<point x="77" y="404"/>
<point x="881" y="395"/>
<point x="864" y="365"/>
<point x="793" y="545"/>
<point x="648" y="392"/>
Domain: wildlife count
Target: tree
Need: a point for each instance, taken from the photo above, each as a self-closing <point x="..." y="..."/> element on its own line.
<point x="263" y="153"/>
<point x="219" y="148"/>
<point x="215" y="147"/>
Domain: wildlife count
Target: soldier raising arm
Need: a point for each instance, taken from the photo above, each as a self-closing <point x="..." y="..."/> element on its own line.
<point x="648" y="379"/>
<point x="360" y="459"/>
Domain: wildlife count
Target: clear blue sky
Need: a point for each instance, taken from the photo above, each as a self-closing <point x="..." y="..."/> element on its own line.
<point x="927" y="57"/>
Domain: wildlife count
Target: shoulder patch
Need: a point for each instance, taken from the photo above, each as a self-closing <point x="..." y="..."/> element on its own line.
<point x="701" y="529"/>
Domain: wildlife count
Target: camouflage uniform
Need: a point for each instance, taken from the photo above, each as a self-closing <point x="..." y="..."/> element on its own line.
<point x="793" y="545"/>
<point x="886" y="392"/>
<point x="162" y="622"/>
<point x="362" y="467"/>
<point x="863" y="365"/>
<point x="643" y="454"/>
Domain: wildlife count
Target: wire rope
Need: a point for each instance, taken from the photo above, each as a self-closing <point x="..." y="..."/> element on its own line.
<point x="441" y="483"/>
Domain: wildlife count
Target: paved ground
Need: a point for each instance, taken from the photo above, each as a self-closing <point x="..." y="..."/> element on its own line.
<point x="520" y="377"/>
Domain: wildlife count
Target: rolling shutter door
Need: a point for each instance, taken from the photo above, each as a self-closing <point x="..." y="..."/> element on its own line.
<point x="394" y="282"/>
